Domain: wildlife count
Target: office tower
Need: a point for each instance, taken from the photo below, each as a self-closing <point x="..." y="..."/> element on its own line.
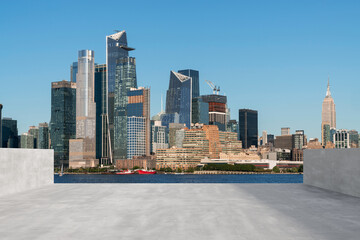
<point x="27" y="140"/>
<point x="179" y="97"/>
<point x="328" y="114"/>
<point x="1" y="144"/>
<point x="325" y="133"/>
<point x="248" y="127"/>
<point x="9" y="133"/>
<point x="354" y="138"/>
<point x="159" y="136"/>
<point x="125" y="79"/>
<point x="232" y="126"/>
<point x="200" y="111"/>
<point x="43" y="140"/>
<point x="217" y="110"/>
<point x="173" y="127"/>
<point x="82" y="149"/>
<point x="102" y="130"/>
<point x="168" y="118"/>
<point x="298" y="139"/>
<point x="138" y="122"/>
<point x="195" y="81"/>
<point x="264" y="138"/>
<point x="63" y="120"/>
<point x="285" y="131"/>
<point x="116" y="48"/>
<point x="73" y="71"/>
<point x="270" y="139"/>
<point x="34" y="131"/>
<point x="341" y="139"/>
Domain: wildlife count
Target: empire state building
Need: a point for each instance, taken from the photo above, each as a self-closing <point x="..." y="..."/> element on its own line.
<point x="328" y="116"/>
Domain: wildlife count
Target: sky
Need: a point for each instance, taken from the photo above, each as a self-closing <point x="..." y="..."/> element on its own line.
<point x="270" y="56"/>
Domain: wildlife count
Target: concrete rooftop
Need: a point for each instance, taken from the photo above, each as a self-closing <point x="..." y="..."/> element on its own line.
<point x="179" y="211"/>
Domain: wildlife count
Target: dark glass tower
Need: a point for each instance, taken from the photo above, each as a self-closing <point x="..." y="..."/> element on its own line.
<point x="125" y="79"/>
<point x="43" y="140"/>
<point x="179" y="97"/>
<point x="63" y="120"/>
<point x="248" y="127"/>
<point x="10" y="137"/>
<point x="195" y="80"/>
<point x="73" y="71"/>
<point x="200" y="111"/>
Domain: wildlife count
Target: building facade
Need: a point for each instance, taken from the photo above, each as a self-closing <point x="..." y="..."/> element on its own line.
<point x="328" y="115"/>
<point x="9" y="133"/>
<point x="285" y="131"/>
<point x="27" y="141"/>
<point x="43" y="140"/>
<point x="34" y="131"/>
<point x="63" y="120"/>
<point x="194" y="80"/>
<point x="73" y="71"/>
<point x="200" y="111"/>
<point x="341" y="139"/>
<point x="159" y="136"/>
<point x="217" y="110"/>
<point x="248" y="127"/>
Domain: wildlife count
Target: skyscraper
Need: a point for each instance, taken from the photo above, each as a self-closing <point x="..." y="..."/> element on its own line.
<point x="195" y="81"/>
<point x="63" y="120"/>
<point x="159" y="136"/>
<point x="73" y="71"/>
<point x="9" y="133"/>
<point x="200" y="111"/>
<point x="125" y="79"/>
<point x="82" y="149"/>
<point x="342" y="139"/>
<point x="285" y="131"/>
<point x="43" y="140"/>
<point x="264" y="137"/>
<point x="27" y="141"/>
<point x="328" y="113"/>
<point x="102" y="130"/>
<point x="116" y="48"/>
<point x="34" y="131"/>
<point x="179" y="97"/>
<point x="217" y="110"/>
<point x="248" y="127"/>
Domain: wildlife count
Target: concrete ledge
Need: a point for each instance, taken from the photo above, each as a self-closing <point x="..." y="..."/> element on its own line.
<point x="333" y="169"/>
<point x="24" y="169"/>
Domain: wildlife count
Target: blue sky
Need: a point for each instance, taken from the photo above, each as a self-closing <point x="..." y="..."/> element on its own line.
<point x="272" y="56"/>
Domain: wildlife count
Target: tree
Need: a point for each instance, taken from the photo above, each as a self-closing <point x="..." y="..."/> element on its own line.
<point x="136" y="167"/>
<point x="301" y="168"/>
<point x="276" y="169"/>
<point x="168" y="169"/>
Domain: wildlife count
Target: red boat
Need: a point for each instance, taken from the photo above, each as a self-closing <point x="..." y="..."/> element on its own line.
<point x="125" y="172"/>
<point x="146" y="171"/>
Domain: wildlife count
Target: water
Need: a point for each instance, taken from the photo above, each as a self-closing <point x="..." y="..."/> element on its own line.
<point x="186" y="178"/>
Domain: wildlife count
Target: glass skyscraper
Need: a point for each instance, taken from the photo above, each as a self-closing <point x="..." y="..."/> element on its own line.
<point x="195" y="80"/>
<point x="34" y="131"/>
<point x="73" y="71"/>
<point x="248" y="127"/>
<point x="43" y="140"/>
<point x="159" y="136"/>
<point x="63" y="120"/>
<point x="200" y="111"/>
<point x="179" y="97"/>
<point x="9" y="133"/>
<point x="125" y="79"/>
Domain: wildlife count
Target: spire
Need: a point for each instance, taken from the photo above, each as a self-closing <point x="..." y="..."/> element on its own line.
<point x="328" y="93"/>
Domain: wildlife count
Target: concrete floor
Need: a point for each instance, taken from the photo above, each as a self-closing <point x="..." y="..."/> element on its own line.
<point x="179" y="211"/>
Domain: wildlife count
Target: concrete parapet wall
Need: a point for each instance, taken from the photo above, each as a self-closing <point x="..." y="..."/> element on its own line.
<point x="24" y="169"/>
<point x="333" y="169"/>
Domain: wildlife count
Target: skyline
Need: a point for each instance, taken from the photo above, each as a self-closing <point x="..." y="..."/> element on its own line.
<point x="260" y="61"/>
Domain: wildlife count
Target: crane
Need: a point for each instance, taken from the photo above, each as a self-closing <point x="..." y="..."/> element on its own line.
<point x="216" y="89"/>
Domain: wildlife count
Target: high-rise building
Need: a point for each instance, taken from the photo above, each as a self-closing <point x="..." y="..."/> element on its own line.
<point x="298" y="140"/>
<point x="200" y="111"/>
<point x="264" y="138"/>
<point x="34" y="131"/>
<point x="9" y="133"/>
<point x="83" y="148"/>
<point x="325" y="133"/>
<point x="125" y="79"/>
<point x="173" y="127"/>
<point x="63" y="120"/>
<point x="284" y="142"/>
<point x="248" y="127"/>
<point x="285" y="131"/>
<point x="328" y="115"/>
<point x="73" y="71"/>
<point x="341" y="139"/>
<point x="1" y="144"/>
<point x="179" y="97"/>
<point x="217" y="110"/>
<point x="27" y="141"/>
<point x="138" y="122"/>
<point x="271" y="139"/>
<point x="232" y="126"/>
<point x="159" y="136"/>
<point x="116" y="48"/>
<point x="354" y="138"/>
<point x="195" y="81"/>
<point x="43" y="140"/>
<point x="102" y="130"/>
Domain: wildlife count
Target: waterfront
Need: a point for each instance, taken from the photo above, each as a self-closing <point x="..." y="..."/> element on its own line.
<point x="174" y="178"/>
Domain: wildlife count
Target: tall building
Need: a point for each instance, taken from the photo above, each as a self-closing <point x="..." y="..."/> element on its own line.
<point x="9" y="133"/>
<point x="200" y="111"/>
<point x="73" y="71"/>
<point x="285" y="131"/>
<point x="354" y="138"/>
<point x="173" y="127"/>
<point x="83" y="148"/>
<point x="298" y="140"/>
<point x="159" y="136"/>
<point x="284" y="142"/>
<point x="34" y="131"/>
<point x="341" y="139"/>
<point x="27" y="141"/>
<point x="1" y="144"/>
<point x="43" y="140"/>
<point x="125" y="79"/>
<point x="102" y="130"/>
<point x="195" y="81"/>
<point x="116" y="48"/>
<point x="325" y="133"/>
<point x="63" y="120"/>
<point x="179" y="97"/>
<point x="217" y="110"/>
<point x="248" y="127"/>
<point x="138" y="122"/>
<point x="328" y="115"/>
<point x="232" y="126"/>
<point x="264" y="137"/>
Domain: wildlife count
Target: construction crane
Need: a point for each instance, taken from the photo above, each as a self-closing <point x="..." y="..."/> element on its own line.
<point x="216" y="89"/>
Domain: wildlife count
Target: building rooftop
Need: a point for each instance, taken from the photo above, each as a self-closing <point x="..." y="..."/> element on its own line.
<point x="179" y="211"/>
